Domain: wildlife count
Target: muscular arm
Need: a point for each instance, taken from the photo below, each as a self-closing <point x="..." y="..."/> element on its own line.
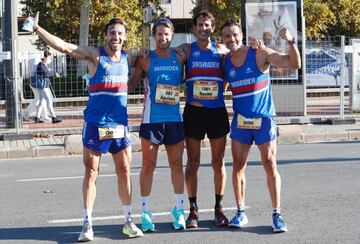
<point x="290" y="60"/>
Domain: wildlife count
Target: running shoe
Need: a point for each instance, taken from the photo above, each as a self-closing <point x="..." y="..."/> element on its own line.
<point x="131" y="230"/>
<point x="146" y="221"/>
<point x="220" y="218"/>
<point x="179" y="218"/>
<point x="193" y="220"/>
<point x="87" y="233"/>
<point x="239" y="219"/>
<point x="278" y="223"/>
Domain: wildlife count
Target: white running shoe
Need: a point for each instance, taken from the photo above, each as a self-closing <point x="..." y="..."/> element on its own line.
<point x="87" y="233"/>
<point x="131" y="230"/>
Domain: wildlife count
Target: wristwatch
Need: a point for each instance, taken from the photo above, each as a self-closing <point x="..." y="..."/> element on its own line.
<point x="292" y="41"/>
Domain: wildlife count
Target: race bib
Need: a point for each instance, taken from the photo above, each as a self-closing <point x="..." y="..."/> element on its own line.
<point x="207" y="90"/>
<point x="167" y="94"/>
<point x="246" y="123"/>
<point x="111" y="132"/>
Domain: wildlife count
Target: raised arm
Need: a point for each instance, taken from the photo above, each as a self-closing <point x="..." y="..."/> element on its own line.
<point x="281" y="60"/>
<point x="86" y="53"/>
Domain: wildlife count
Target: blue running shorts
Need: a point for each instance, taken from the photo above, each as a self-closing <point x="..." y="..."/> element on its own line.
<point x="167" y="133"/>
<point x="90" y="138"/>
<point x="265" y="134"/>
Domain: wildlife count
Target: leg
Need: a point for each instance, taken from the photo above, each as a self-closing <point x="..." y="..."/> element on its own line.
<point x="268" y="158"/>
<point x="175" y="153"/>
<point x="218" y="164"/>
<point x="192" y="166"/>
<point x="91" y="162"/>
<point x="149" y="154"/>
<point x="122" y="161"/>
<point x="240" y="152"/>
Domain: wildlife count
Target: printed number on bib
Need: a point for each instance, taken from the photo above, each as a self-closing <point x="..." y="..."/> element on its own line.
<point x="246" y="123"/>
<point x="167" y="94"/>
<point x="207" y="90"/>
<point x="111" y="132"/>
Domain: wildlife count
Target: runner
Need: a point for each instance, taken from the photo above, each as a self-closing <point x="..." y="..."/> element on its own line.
<point x="247" y="72"/>
<point x="106" y="127"/>
<point x="205" y="113"/>
<point x="162" y="120"/>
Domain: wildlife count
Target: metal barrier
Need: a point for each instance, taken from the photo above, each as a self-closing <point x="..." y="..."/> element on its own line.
<point x="325" y="97"/>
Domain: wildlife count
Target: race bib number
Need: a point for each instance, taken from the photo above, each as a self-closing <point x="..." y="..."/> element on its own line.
<point x="111" y="132"/>
<point x="207" y="90"/>
<point x="246" y="123"/>
<point x="167" y="94"/>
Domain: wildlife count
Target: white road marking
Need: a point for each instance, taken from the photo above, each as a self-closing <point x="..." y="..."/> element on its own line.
<point x="67" y="178"/>
<point x="61" y="221"/>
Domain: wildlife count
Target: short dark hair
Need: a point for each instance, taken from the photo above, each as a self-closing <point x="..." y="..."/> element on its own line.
<point x="114" y="21"/>
<point x="231" y="22"/>
<point x="163" y="21"/>
<point x="204" y="14"/>
<point x="46" y="53"/>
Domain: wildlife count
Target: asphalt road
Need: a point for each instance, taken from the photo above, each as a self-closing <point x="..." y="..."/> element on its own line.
<point x="41" y="199"/>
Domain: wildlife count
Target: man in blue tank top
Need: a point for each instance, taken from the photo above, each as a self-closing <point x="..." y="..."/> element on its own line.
<point x="205" y="113"/>
<point x="247" y="72"/>
<point x="162" y="120"/>
<point x="105" y="128"/>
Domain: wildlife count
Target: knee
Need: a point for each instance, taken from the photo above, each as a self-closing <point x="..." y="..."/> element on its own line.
<point x="148" y="167"/>
<point x="123" y="170"/>
<point x="91" y="173"/>
<point x="218" y="166"/>
<point x="192" y="167"/>
<point x="239" y="166"/>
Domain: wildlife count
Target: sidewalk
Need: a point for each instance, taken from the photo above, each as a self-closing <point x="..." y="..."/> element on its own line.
<point x="67" y="141"/>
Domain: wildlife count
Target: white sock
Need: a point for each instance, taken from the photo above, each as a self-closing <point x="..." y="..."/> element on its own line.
<point x="241" y="207"/>
<point x="87" y="212"/>
<point x="145" y="203"/>
<point x="127" y="212"/>
<point x="276" y="210"/>
<point x="179" y="201"/>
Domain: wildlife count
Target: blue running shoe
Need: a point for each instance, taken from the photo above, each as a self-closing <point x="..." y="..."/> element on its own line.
<point x="278" y="223"/>
<point x="239" y="220"/>
<point x="179" y="219"/>
<point x="146" y="221"/>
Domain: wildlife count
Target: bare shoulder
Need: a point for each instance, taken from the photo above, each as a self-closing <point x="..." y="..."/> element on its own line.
<point x="222" y="48"/>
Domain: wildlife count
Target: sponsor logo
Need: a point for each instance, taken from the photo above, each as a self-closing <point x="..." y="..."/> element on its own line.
<point x="248" y="70"/>
<point x="209" y="65"/>
<point x="232" y="73"/>
<point x="196" y="54"/>
<point x="166" y="68"/>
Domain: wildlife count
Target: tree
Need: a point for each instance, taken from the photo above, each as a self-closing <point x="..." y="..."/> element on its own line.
<point x="318" y="18"/>
<point x="62" y="17"/>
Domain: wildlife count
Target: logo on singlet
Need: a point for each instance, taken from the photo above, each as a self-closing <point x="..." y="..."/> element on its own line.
<point x="232" y="73"/>
<point x="248" y="70"/>
<point x="196" y="54"/>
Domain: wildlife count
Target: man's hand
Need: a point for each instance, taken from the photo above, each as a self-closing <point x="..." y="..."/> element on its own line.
<point x="256" y="43"/>
<point x="143" y="52"/>
<point x="285" y="34"/>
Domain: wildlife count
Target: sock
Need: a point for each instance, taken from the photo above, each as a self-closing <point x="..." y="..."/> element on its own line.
<point x="276" y="211"/>
<point x="179" y="201"/>
<point x="127" y="212"/>
<point x="87" y="215"/>
<point x="218" y="199"/>
<point x="193" y="205"/>
<point x="241" y="207"/>
<point x="145" y="203"/>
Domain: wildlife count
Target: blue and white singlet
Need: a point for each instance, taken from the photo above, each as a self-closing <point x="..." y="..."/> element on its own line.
<point x="251" y="88"/>
<point x="204" y="78"/>
<point x="108" y="92"/>
<point x="162" y="89"/>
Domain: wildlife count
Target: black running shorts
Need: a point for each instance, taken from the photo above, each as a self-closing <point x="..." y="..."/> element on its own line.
<point x="199" y="121"/>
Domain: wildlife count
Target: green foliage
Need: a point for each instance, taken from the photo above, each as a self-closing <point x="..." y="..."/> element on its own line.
<point x="318" y="18"/>
<point x="62" y="17"/>
<point x="331" y="18"/>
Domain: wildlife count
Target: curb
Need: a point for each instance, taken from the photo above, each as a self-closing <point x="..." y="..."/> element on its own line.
<point x="72" y="144"/>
